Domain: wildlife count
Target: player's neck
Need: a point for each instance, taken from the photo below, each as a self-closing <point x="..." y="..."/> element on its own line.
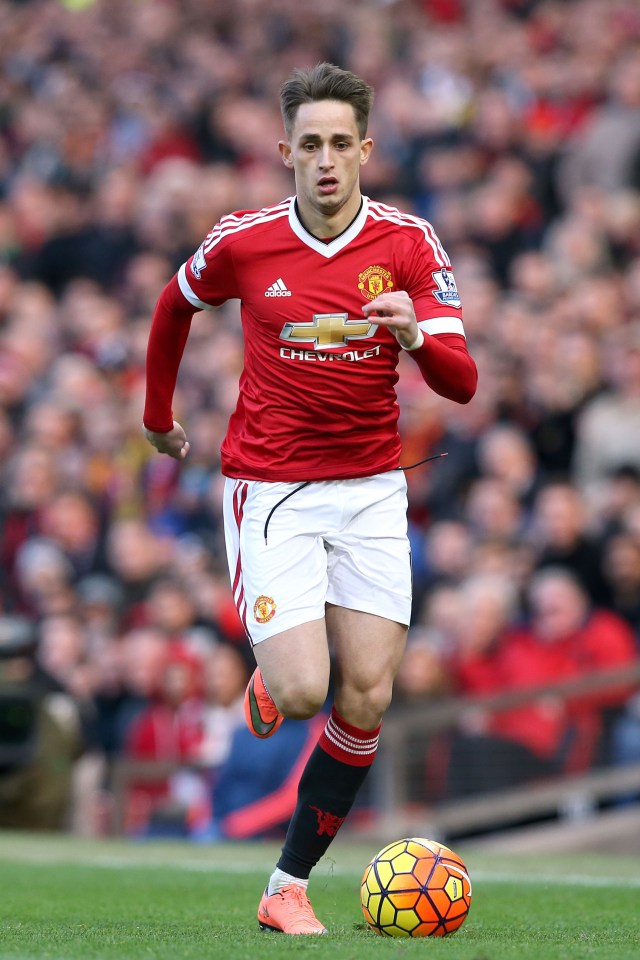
<point x="328" y="228"/>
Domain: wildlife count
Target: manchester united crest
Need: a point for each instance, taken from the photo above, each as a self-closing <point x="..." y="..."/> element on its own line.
<point x="373" y="281"/>
<point x="328" y="823"/>
<point x="264" y="609"/>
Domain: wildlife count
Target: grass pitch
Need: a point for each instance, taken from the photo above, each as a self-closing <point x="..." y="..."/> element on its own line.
<point x="63" y="899"/>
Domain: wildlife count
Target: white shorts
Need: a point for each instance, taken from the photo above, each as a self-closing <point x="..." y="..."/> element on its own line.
<point x="334" y="541"/>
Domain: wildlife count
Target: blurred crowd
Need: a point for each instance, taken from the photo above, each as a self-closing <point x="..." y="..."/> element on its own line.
<point x="126" y="130"/>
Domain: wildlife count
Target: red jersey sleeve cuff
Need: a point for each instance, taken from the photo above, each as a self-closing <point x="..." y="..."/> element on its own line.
<point x="156" y="428"/>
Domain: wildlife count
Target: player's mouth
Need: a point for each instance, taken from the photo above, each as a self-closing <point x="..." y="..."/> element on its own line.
<point x="327" y="185"/>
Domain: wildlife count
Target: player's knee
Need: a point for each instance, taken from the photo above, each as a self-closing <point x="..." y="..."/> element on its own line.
<point x="365" y="707"/>
<point x="378" y="700"/>
<point x="300" y="701"/>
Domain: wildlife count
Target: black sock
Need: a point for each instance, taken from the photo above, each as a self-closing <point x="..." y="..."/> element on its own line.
<point x="328" y="786"/>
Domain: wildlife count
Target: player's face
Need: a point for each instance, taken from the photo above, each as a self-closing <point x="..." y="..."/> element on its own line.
<point x="326" y="153"/>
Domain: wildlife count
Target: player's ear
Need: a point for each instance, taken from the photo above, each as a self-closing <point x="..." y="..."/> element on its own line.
<point x="285" y="152"/>
<point x="366" y="146"/>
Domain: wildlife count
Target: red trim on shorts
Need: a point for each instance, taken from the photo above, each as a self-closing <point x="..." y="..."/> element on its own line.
<point x="242" y="611"/>
<point x="236" y="579"/>
<point x="239" y="502"/>
<point x="349" y="744"/>
<point x="240" y="492"/>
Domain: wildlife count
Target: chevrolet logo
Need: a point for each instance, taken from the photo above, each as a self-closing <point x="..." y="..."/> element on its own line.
<point x="329" y="330"/>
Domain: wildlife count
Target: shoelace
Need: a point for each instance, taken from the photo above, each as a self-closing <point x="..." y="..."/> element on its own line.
<point x="301" y="486"/>
<point x="298" y="899"/>
<point x="297" y="893"/>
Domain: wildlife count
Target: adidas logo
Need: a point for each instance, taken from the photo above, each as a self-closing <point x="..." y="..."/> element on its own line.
<point x="277" y="289"/>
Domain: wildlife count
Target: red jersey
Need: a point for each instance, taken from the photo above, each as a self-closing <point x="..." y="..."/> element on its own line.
<point x="317" y="394"/>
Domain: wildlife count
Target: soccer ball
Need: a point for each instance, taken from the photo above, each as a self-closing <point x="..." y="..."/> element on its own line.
<point x="415" y="888"/>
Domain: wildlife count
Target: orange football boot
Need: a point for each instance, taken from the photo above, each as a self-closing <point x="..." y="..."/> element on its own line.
<point x="261" y="713"/>
<point x="288" y="911"/>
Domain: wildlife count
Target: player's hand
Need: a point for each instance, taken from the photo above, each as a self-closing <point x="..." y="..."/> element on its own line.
<point x="174" y="443"/>
<point x="395" y="311"/>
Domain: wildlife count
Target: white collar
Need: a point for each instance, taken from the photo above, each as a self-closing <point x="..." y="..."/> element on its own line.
<point x="339" y="242"/>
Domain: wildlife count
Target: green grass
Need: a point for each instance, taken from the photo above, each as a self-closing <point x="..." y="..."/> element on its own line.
<point x="63" y="899"/>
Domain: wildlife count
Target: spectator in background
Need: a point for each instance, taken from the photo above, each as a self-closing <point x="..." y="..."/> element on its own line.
<point x="43" y="579"/>
<point x="561" y="536"/>
<point x="40" y="735"/>
<point x="492" y="511"/>
<point x="71" y="520"/>
<point x="590" y="159"/>
<point x="30" y="483"/>
<point x="560" y="388"/>
<point x="170" y="608"/>
<point x="564" y="639"/>
<point x="621" y="497"/>
<point x="124" y="687"/>
<point x="135" y="556"/>
<point x="225" y="679"/>
<point x="443" y="557"/>
<point x="170" y="731"/>
<point x="63" y="654"/>
<point x="608" y="428"/>
<point x="622" y="573"/>
<point x="497" y="749"/>
<point x="578" y="638"/>
<point x="424" y="671"/>
<point x="100" y="609"/>
<point x="506" y="453"/>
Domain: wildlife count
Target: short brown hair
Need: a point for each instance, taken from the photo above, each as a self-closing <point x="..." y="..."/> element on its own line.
<point x="325" y="81"/>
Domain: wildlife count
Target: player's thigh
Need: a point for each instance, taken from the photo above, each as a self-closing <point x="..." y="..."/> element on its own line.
<point x="296" y="665"/>
<point x="368" y="650"/>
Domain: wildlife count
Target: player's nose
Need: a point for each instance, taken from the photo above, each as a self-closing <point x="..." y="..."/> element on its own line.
<point x="326" y="158"/>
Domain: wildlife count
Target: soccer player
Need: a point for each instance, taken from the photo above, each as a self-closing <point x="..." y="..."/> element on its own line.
<point x="333" y="287"/>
